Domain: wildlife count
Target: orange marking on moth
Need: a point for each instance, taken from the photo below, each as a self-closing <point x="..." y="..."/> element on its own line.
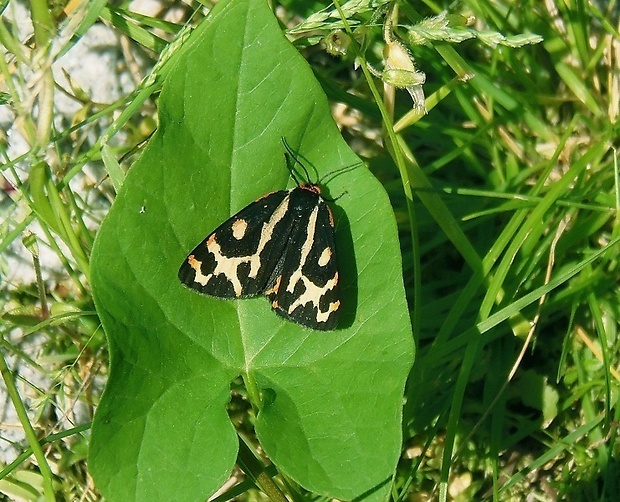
<point x="275" y="287"/>
<point x="200" y="278"/>
<point x="193" y="262"/>
<point x="331" y="217"/>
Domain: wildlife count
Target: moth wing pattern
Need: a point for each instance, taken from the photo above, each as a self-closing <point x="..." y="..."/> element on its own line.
<point x="237" y="259"/>
<point x="281" y="245"/>
<point x="304" y="284"/>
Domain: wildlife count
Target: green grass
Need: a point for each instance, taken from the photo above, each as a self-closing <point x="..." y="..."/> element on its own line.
<point x="507" y="198"/>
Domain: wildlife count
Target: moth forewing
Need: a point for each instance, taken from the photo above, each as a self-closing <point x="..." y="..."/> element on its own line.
<point x="237" y="258"/>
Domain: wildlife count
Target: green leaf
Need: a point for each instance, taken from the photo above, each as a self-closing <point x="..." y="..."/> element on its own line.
<point x="332" y="417"/>
<point x="535" y="391"/>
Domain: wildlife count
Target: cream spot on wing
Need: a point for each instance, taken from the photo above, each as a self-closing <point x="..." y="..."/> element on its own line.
<point x="325" y="257"/>
<point x="226" y="265"/>
<point x="239" y="227"/>
<point x="313" y="294"/>
<point x="297" y="275"/>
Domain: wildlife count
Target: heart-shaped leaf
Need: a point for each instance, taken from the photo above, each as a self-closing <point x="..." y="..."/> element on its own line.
<point x="332" y="409"/>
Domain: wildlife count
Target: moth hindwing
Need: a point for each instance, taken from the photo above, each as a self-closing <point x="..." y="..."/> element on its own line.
<point x="282" y="246"/>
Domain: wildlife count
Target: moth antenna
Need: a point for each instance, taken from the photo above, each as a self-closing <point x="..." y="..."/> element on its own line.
<point x="336" y="172"/>
<point x="334" y="199"/>
<point x="291" y="171"/>
<point x="290" y="152"/>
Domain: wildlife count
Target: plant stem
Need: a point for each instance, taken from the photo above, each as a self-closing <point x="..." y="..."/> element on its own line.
<point x="44" y="28"/>
<point x="386" y="108"/>
<point x="253" y="392"/>
<point x="33" y="441"/>
<point x="250" y="464"/>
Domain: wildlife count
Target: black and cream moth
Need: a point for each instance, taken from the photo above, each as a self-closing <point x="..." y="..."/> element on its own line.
<point x="282" y="246"/>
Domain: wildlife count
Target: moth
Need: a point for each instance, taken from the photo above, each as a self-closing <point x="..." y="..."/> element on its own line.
<point x="282" y="246"/>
